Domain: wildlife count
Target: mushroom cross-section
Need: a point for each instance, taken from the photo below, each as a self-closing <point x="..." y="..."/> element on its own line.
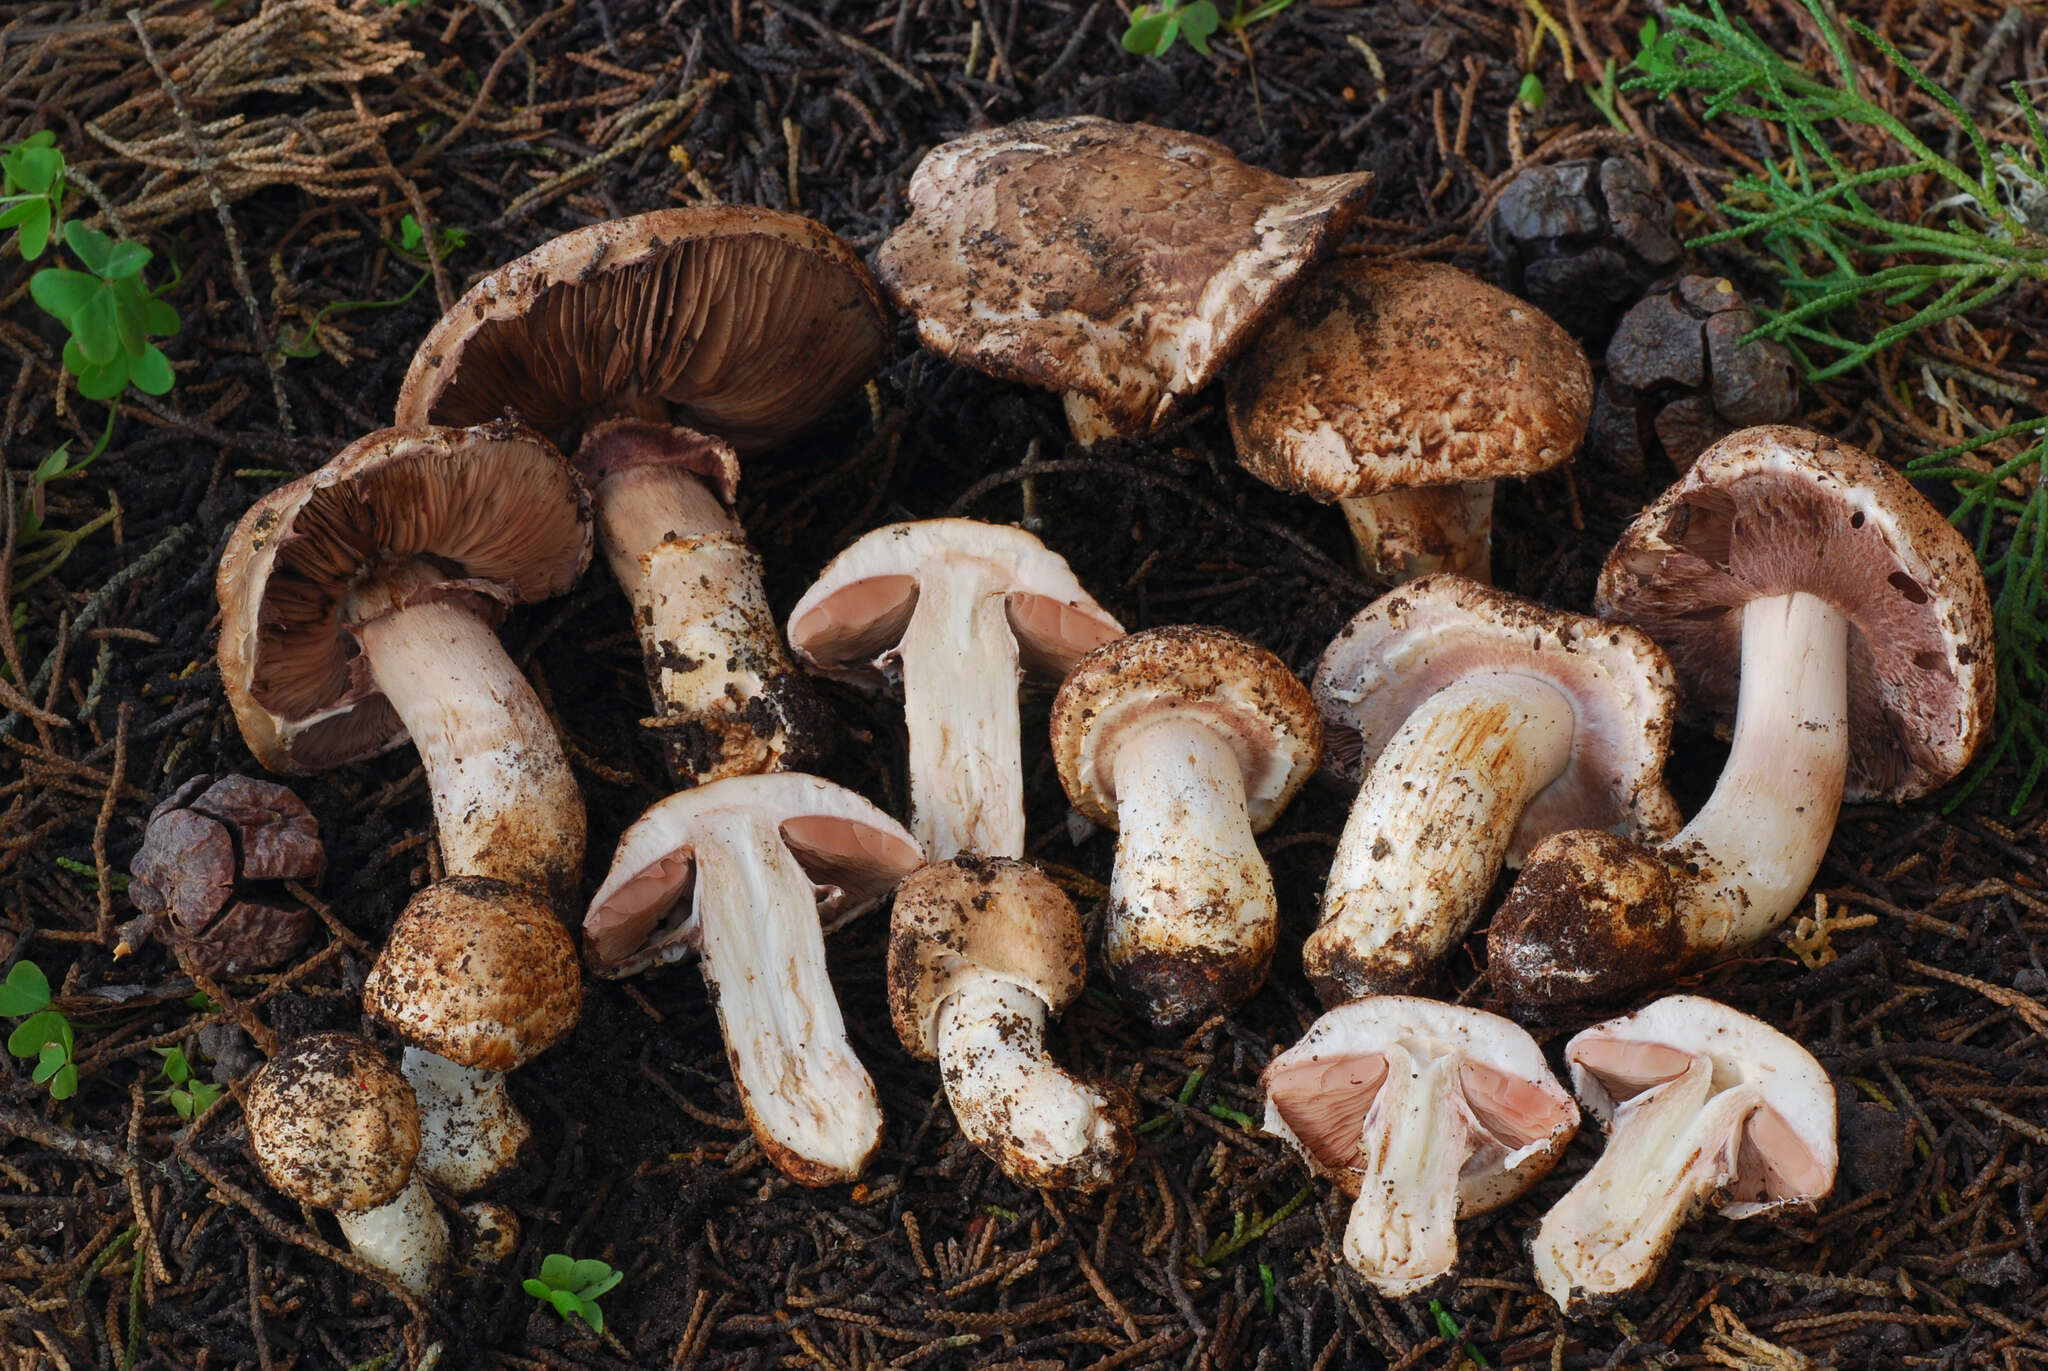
<point x="980" y="950"/>
<point x="1119" y="264"/>
<point x="1807" y="589"/>
<point x="955" y="608"/>
<point x="1482" y="723"/>
<point x="1424" y="1113"/>
<point x="741" y="871"/>
<point x="1702" y="1105"/>
<point x="359" y="608"/>
<point x="1189" y="741"/>
<point x="1404" y="390"/>
<point x="660" y="349"/>
<point x="334" y="1125"/>
<point x="478" y="977"/>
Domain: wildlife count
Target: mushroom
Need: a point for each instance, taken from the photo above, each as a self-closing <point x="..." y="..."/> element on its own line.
<point x="1423" y="1113"/>
<point x="359" y="607"/>
<point x="1403" y="391"/>
<point x="334" y="1125"/>
<point x="1702" y="1106"/>
<point x="955" y="607"/>
<point x="661" y="349"/>
<point x="478" y="977"/>
<point x="980" y="950"/>
<point x="1807" y="589"/>
<point x="1189" y="741"/>
<point x="1119" y="264"/>
<point x="1482" y="723"/>
<point x="742" y="871"/>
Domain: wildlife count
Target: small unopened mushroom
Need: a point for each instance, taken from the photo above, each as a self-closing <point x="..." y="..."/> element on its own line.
<point x="742" y="871"/>
<point x="333" y="1124"/>
<point x="359" y="608"/>
<point x="1702" y="1106"/>
<point x="1424" y="1113"/>
<point x="1119" y="264"/>
<point x="956" y="609"/>
<point x="981" y="949"/>
<point x="478" y="977"/>
<point x="1808" y="590"/>
<point x="1189" y="741"/>
<point x="1482" y="723"/>
<point x="1403" y="391"/>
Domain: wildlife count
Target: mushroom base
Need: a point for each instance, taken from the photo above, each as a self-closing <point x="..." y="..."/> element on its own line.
<point x="1403" y="534"/>
<point x="405" y="1236"/>
<point x="469" y="1128"/>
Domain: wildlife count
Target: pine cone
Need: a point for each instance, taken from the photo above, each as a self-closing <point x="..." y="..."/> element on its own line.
<point x="1579" y="240"/>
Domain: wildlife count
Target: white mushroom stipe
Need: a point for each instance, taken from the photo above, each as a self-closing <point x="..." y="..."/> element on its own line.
<point x="1406" y="533"/>
<point x="407" y="1236"/>
<point x="1402" y="1232"/>
<point x="469" y="1128"/>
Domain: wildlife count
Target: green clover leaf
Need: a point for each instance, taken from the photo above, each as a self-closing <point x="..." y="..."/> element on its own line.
<point x="1197" y="22"/>
<point x="27" y="989"/>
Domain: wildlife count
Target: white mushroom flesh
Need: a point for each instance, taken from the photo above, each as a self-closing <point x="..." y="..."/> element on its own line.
<point x="405" y="1236"/>
<point x="1403" y="534"/>
<point x="469" y="1128"/>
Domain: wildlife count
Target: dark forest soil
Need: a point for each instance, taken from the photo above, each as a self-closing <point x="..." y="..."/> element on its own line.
<point x="1929" y="1014"/>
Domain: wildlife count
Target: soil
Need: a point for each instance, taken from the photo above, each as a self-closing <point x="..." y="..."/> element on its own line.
<point x="1921" y="988"/>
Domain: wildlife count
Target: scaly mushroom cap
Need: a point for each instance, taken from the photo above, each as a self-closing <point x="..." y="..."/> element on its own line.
<point x="1003" y="916"/>
<point x="1230" y="684"/>
<point x="1121" y="263"/>
<point x="1438" y="630"/>
<point x="492" y="514"/>
<point x="741" y="322"/>
<point x="1772" y="510"/>
<point x="333" y="1123"/>
<point x="479" y="972"/>
<point x="1386" y="375"/>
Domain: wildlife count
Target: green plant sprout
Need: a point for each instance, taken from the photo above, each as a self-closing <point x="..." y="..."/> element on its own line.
<point x="1447" y="1328"/>
<point x="1847" y="263"/>
<point x="45" y="1034"/>
<point x="573" y="1287"/>
<point x="1244" y="1232"/>
<point x="411" y="237"/>
<point x="1153" y="27"/>
<point x="119" y="879"/>
<point x="1266" y="1288"/>
<point x="188" y="1096"/>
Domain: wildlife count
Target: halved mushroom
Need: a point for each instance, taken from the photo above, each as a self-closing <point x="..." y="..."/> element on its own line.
<point x="1189" y="741"/>
<point x="359" y="608"/>
<point x="1482" y="723"/>
<point x="956" y="608"/>
<point x="980" y="950"/>
<point x="1808" y="589"/>
<point x="1403" y="390"/>
<point x="1119" y="264"/>
<point x="742" y="871"/>
<point x="1702" y="1106"/>
<point x="661" y="348"/>
<point x="1424" y="1113"/>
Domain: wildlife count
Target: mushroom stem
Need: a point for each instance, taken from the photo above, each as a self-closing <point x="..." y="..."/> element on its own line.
<point x="1430" y="829"/>
<point x="405" y="1236"/>
<point x="809" y="1100"/>
<point x="1403" y="534"/>
<point x="1042" y="1126"/>
<point x="505" y="802"/>
<point x="469" y="1128"/>
<point x="1192" y="913"/>
<point x="1402" y="1234"/>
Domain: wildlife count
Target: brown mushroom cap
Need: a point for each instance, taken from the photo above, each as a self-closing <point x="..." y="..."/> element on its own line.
<point x="1772" y="510"/>
<point x="492" y="514"/>
<point x="333" y="1123"/>
<point x="1438" y="630"/>
<point x="1386" y="375"/>
<point x="741" y="322"/>
<point x="1120" y="262"/>
<point x="1002" y="916"/>
<point x="477" y="971"/>
<point x="1229" y="683"/>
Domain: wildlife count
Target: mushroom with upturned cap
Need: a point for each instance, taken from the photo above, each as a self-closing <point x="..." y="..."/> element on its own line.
<point x="479" y="977"/>
<point x="1189" y="741"/>
<point x="1702" y="1106"/>
<point x="334" y="1125"/>
<point x="660" y="349"/>
<point x="980" y="950"/>
<point x="1424" y="1113"/>
<point x="956" y="608"/>
<point x="1119" y="264"/>
<point x="1482" y="723"/>
<point x="1806" y="588"/>
<point x="1403" y="391"/>
<point x="742" y="871"/>
<point x="359" y="608"/>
